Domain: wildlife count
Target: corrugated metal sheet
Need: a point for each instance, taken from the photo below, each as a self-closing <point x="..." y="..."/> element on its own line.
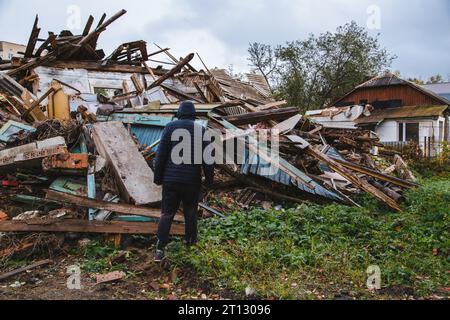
<point x="147" y="135"/>
<point x="253" y="164"/>
<point x="256" y="166"/>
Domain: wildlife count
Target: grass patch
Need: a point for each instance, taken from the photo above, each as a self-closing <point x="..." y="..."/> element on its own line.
<point x="98" y="257"/>
<point x="316" y="251"/>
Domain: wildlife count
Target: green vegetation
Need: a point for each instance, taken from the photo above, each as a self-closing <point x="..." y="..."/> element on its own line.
<point x="98" y="257"/>
<point x="323" y="251"/>
<point x="310" y="73"/>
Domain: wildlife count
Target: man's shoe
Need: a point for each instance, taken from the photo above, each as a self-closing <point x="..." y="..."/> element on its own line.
<point x="159" y="255"/>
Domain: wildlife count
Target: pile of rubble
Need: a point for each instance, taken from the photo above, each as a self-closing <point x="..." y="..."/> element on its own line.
<point x="79" y="131"/>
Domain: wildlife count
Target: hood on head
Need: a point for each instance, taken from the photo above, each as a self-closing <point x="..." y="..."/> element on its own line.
<point x="186" y="110"/>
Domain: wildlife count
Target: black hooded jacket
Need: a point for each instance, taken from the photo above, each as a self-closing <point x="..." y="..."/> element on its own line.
<point x="166" y="171"/>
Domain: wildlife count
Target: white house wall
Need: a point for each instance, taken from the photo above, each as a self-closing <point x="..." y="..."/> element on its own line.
<point x="388" y="131"/>
<point x="86" y="81"/>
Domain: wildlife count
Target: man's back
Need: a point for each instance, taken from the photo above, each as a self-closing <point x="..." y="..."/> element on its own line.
<point x="180" y="153"/>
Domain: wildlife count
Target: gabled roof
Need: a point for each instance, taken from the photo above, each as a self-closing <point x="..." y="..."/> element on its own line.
<point x="403" y="113"/>
<point x="390" y="79"/>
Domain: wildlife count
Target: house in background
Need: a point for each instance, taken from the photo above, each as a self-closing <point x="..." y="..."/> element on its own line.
<point x="8" y="50"/>
<point x="402" y="111"/>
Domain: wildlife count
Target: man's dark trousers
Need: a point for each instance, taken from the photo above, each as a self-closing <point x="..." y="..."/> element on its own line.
<point x="173" y="195"/>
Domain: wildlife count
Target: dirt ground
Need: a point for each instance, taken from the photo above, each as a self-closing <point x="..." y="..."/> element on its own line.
<point x="145" y="280"/>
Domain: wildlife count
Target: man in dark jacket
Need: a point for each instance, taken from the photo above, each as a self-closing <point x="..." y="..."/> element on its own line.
<point x="181" y="180"/>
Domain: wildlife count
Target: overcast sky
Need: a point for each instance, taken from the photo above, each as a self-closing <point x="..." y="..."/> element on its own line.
<point x="417" y="31"/>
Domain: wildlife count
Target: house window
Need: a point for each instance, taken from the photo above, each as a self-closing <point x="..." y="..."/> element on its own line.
<point x="108" y="92"/>
<point x="408" y="132"/>
<point x="401" y="128"/>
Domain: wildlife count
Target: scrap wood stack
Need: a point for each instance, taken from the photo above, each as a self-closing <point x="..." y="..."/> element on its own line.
<point x="79" y="131"/>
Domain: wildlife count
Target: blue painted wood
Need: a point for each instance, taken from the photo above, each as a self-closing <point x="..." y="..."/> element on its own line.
<point x="12" y="127"/>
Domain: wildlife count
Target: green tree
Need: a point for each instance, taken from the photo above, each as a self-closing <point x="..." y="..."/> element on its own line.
<point x="263" y="58"/>
<point x="435" y="79"/>
<point x="314" y="72"/>
<point x="416" y="81"/>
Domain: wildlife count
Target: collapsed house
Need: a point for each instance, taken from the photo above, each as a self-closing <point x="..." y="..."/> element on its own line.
<point x="398" y="111"/>
<point x="79" y="132"/>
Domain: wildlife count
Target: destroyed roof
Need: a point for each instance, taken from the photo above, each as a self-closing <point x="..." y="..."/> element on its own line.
<point x="403" y="113"/>
<point x="315" y="162"/>
<point x="390" y="79"/>
<point x="259" y="83"/>
<point x="256" y="89"/>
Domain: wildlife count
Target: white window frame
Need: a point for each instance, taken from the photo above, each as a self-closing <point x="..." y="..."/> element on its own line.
<point x="404" y="129"/>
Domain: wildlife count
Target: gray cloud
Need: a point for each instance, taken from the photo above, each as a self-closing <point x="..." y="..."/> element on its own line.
<point x="416" y="30"/>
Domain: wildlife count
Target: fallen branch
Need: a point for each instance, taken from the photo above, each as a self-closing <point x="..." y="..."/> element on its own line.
<point x="24" y="269"/>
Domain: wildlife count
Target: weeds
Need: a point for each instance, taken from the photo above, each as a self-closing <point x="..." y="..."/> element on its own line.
<point x="314" y="251"/>
<point x="97" y="257"/>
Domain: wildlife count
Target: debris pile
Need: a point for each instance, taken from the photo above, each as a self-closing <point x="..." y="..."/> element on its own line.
<point x="79" y="131"/>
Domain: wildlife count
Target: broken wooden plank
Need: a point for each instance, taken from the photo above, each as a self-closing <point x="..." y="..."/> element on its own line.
<point x="88" y="25"/>
<point x="77" y="163"/>
<point x="364" y="185"/>
<point x="109" y="277"/>
<point x="3" y="216"/>
<point x="376" y="174"/>
<point x="133" y="175"/>
<point x="33" y="39"/>
<point x="272" y="105"/>
<point x="402" y="168"/>
<point x="172" y="72"/>
<point x="349" y="175"/>
<point x="255" y="117"/>
<point x="288" y="125"/>
<point x="35" y="150"/>
<point x="122" y="208"/>
<point x="85" y="226"/>
<point x="24" y="269"/>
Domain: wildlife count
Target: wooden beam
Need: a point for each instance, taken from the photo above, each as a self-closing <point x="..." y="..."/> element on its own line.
<point x="376" y="174"/>
<point x="33" y="39"/>
<point x="272" y="105"/>
<point x="94" y="34"/>
<point x="255" y="117"/>
<point x="85" y="226"/>
<point x="178" y="93"/>
<point x="125" y="209"/>
<point x="97" y="66"/>
<point x="24" y="269"/>
<point x="88" y="26"/>
<point x="172" y="72"/>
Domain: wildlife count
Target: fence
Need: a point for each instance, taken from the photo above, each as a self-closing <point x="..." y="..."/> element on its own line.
<point x="428" y="148"/>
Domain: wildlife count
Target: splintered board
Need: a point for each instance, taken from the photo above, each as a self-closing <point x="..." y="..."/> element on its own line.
<point x="85" y="226"/>
<point x="132" y="173"/>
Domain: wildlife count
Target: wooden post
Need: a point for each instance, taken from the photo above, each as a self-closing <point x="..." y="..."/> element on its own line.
<point x="429" y="147"/>
<point x="425" y="147"/>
